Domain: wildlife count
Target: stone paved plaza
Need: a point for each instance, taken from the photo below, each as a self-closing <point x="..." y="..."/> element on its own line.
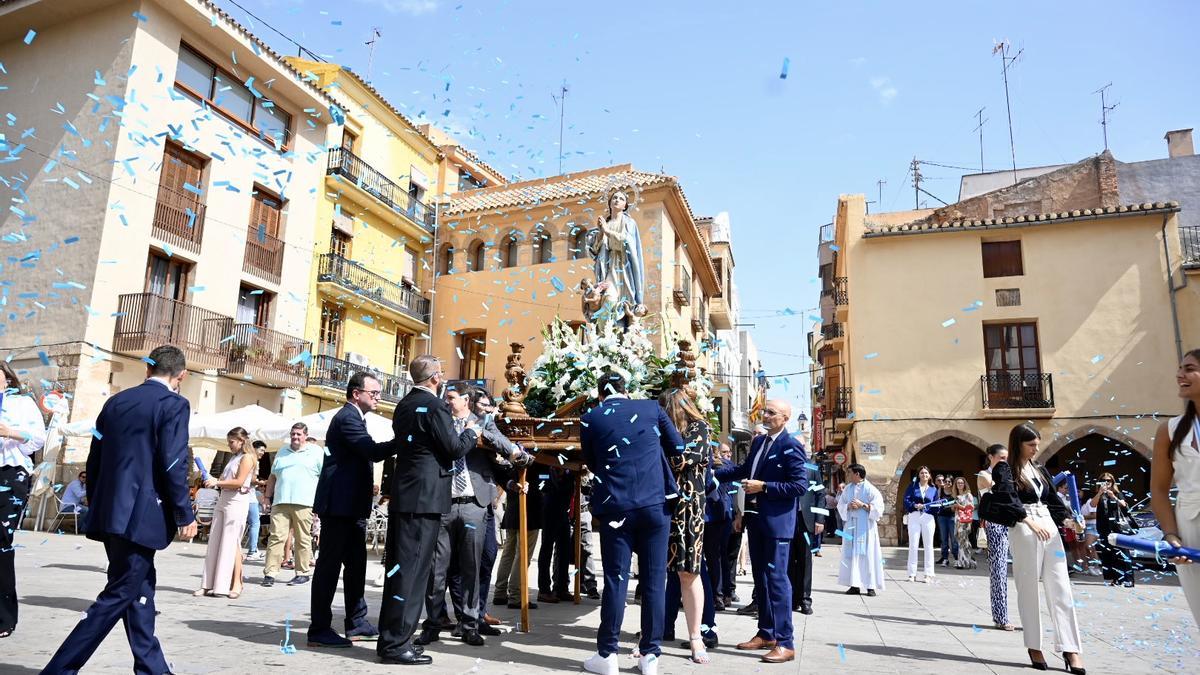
<point x="909" y="628"/>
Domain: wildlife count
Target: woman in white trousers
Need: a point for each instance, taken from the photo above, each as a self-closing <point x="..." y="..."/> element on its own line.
<point x="1037" y="550"/>
<point x="920" y="522"/>
<point x="1177" y="462"/>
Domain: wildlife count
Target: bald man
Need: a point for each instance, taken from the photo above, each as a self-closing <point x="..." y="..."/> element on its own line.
<point x="773" y="477"/>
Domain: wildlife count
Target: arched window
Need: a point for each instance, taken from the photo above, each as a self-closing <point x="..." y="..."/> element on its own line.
<point x="543" y="247"/>
<point x="511" y="250"/>
<point x="477" y="260"/>
<point x="578" y="243"/>
<point x="446" y="260"/>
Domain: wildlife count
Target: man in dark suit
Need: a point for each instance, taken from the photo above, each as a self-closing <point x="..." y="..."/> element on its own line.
<point x="717" y="527"/>
<point x="343" y="502"/>
<point x="809" y="526"/>
<point x="420" y="496"/>
<point x="137" y="487"/>
<point x="462" y="534"/>
<point x="625" y="445"/>
<point x="774" y="478"/>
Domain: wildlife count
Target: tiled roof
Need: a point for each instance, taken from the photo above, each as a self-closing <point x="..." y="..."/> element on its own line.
<point x="474" y="158"/>
<point x="551" y="189"/>
<point x="393" y="109"/>
<point x="926" y="227"/>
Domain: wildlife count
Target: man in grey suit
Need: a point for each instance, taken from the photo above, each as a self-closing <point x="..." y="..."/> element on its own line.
<point x="463" y="531"/>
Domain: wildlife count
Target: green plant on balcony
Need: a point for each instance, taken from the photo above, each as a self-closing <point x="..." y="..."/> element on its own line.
<point x="244" y="352"/>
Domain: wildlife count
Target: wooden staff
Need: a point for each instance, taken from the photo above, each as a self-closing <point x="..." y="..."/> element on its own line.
<point x="578" y="533"/>
<point x="523" y="550"/>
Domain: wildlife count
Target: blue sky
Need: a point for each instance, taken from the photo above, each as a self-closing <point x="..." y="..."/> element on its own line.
<point x="694" y="89"/>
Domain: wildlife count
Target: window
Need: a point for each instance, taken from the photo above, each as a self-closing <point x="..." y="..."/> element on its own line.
<point x="167" y="277"/>
<point x="543" y="247"/>
<point x="1002" y="259"/>
<point x="446" y="260"/>
<point x="578" y="243"/>
<point x="472" y="347"/>
<point x="179" y="210"/>
<point x="511" y="250"/>
<point x="1012" y="358"/>
<point x="329" y="340"/>
<point x="478" y="259"/>
<point x="202" y="79"/>
<point x="414" y="264"/>
<point x="339" y="243"/>
<point x="254" y="306"/>
<point x="401" y="352"/>
<point x="468" y="182"/>
<point x="349" y="140"/>
<point x="266" y="214"/>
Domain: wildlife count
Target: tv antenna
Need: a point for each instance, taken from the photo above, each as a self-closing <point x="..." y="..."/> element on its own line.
<point x="1104" y="110"/>
<point x="561" y="100"/>
<point x="979" y="128"/>
<point x="376" y="33"/>
<point x="1002" y="48"/>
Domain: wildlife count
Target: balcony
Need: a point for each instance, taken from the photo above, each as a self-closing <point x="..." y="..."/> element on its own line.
<point x="376" y="288"/>
<point x="1008" y="392"/>
<point x="683" y="286"/>
<point x="346" y="164"/>
<point x="147" y="320"/>
<point x="265" y="354"/>
<point x="264" y="255"/>
<point x="1189" y="241"/>
<point x="837" y="292"/>
<point x="334" y="373"/>
<point x="830" y="331"/>
<point x="698" y="324"/>
<point x="179" y="219"/>
<point x="841" y="402"/>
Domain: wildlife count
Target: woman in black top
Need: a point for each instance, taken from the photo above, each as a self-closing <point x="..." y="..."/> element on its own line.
<point x="1024" y="489"/>
<point x="1112" y="516"/>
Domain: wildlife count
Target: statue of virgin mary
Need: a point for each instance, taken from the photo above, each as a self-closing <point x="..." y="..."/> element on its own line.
<point x="616" y="246"/>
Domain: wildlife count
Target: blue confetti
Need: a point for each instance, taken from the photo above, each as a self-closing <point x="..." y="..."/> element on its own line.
<point x="783" y="73"/>
<point x="30" y="35"/>
<point x="395" y="568"/>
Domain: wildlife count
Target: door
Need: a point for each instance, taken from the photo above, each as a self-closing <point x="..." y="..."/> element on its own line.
<point x="1014" y="376"/>
<point x="165" y="313"/>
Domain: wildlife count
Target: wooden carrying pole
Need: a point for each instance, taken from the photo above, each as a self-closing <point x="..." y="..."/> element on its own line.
<point x="523" y="551"/>
<point x="578" y="533"/>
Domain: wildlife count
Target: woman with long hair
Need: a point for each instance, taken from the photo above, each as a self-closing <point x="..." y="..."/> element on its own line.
<point x="223" y="560"/>
<point x="920" y="522"/>
<point x="1177" y="462"/>
<point x="22" y="433"/>
<point x="997" y="543"/>
<point x="685" y="551"/>
<point x="1037" y="550"/>
<point x="964" y="506"/>
<point x="1112" y="516"/>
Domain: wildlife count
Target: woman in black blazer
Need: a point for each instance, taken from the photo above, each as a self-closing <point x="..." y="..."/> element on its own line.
<point x="1024" y="489"/>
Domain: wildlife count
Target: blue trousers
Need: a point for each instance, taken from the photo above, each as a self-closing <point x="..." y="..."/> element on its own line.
<point x="945" y="530"/>
<point x="644" y="532"/>
<point x="716" y="551"/>
<point x="708" y="617"/>
<point x="253" y="523"/>
<point x="769" y="561"/>
<point x="127" y="597"/>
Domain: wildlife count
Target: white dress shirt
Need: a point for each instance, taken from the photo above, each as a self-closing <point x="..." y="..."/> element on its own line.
<point x="19" y="412"/>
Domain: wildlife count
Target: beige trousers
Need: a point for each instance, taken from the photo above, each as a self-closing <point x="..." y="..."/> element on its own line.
<point x="1035" y="560"/>
<point x="508" y="575"/>
<point x="299" y="520"/>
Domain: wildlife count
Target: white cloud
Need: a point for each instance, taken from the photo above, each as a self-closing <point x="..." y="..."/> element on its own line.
<point x="413" y="7"/>
<point x="883" y="86"/>
<point x="858" y="60"/>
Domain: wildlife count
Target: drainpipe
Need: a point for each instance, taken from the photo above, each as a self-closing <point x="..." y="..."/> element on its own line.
<point x="437" y="213"/>
<point x="1172" y="290"/>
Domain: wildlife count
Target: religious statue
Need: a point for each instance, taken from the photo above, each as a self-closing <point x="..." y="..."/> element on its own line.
<point x="616" y="246"/>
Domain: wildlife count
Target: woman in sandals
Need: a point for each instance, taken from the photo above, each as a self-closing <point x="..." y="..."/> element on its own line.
<point x="223" y="561"/>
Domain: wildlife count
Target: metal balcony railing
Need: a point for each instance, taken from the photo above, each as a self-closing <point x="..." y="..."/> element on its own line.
<point x="179" y="219"/>
<point x="463" y="385"/>
<point x="334" y="373"/>
<point x="841" y="402"/>
<point x="832" y="330"/>
<point x="147" y="320"/>
<point x="1002" y="389"/>
<point x="363" y="282"/>
<point x="266" y="354"/>
<point x="264" y="255"/>
<point x="683" y="286"/>
<point x="1189" y="239"/>
<point x="344" y="163"/>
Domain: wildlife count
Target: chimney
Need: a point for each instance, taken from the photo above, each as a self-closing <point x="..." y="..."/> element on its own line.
<point x="1179" y="143"/>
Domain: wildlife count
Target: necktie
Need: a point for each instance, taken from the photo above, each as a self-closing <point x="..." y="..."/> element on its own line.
<point x="460" y="476"/>
<point x="762" y="456"/>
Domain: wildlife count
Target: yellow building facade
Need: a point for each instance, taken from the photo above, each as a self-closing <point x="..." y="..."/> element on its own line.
<point x="1047" y="302"/>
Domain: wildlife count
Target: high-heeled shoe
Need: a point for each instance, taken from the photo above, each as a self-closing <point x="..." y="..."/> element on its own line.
<point x="1074" y="670"/>
<point x="699" y="656"/>
<point x="1037" y="665"/>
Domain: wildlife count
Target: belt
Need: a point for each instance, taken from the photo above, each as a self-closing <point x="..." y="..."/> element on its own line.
<point x="462" y="500"/>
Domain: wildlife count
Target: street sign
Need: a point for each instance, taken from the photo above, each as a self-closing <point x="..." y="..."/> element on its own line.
<point x="839" y="458"/>
<point x="869" y="448"/>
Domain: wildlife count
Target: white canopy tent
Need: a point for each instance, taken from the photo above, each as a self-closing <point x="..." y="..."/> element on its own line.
<point x="378" y="426"/>
<point x="208" y="430"/>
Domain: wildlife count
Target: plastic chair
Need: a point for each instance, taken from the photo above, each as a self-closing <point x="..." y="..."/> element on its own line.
<point x="64" y="515"/>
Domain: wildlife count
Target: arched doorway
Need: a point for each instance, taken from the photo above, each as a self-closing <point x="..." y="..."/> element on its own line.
<point x="949" y="456"/>
<point x="1094" y="453"/>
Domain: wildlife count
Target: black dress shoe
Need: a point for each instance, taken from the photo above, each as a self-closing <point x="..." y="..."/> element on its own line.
<point x="487" y="629"/>
<point x="870" y="592"/>
<point x="853" y="590"/>
<point x="748" y="610"/>
<point x="427" y="636"/>
<point x="517" y="605"/>
<point x="593" y="594"/>
<point x="500" y="600"/>
<point x="806" y="610"/>
<point x="408" y="657"/>
<point x="718" y="605"/>
<point x="668" y="636"/>
<point x="473" y="638"/>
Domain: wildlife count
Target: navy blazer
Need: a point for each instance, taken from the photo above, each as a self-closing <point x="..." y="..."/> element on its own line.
<point x="784" y="475"/>
<point x="138" y="467"/>
<point x="913" y="496"/>
<point x="625" y="445"/>
<point x="347" y="474"/>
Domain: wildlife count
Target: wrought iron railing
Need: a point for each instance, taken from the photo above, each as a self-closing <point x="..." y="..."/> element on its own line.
<point x="264" y="255"/>
<point x="267" y="354"/>
<point x="1189" y="240"/>
<point x="683" y="286"/>
<point x="334" y="373"/>
<point x="1014" y="390"/>
<point x="841" y="402"/>
<point x="463" y="385"/>
<point x="344" y="163"/>
<point x="363" y="282"/>
<point x="832" y="330"/>
<point x="147" y="320"/>
<point x="179" y="219"/>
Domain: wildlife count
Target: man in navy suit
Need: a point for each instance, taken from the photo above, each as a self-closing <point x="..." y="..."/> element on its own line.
<point x="137" y="487"/>
<point x="625" y="444"/>
<point x="774" y="478"/>
<point x="343" y="502"/>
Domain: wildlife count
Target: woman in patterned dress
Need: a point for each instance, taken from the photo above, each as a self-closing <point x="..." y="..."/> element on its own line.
<point x="685" y="551"/>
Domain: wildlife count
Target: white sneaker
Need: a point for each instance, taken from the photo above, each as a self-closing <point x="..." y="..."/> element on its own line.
<point x="929" y="578"/>
<point x="648" y="664"/>
<point x="604" y="665"/>
<point x="257" y="555"/>
<point x="912" y="578"/>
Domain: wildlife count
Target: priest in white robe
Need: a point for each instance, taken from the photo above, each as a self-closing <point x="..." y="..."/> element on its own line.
<point x="860" y="506"/>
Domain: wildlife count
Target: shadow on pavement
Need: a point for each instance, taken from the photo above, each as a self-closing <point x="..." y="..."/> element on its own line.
<point x="923" y="654"/>
<point x="56" y="602"/>
<point x="921" y="621"/>
<point x="76" y="568"/>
